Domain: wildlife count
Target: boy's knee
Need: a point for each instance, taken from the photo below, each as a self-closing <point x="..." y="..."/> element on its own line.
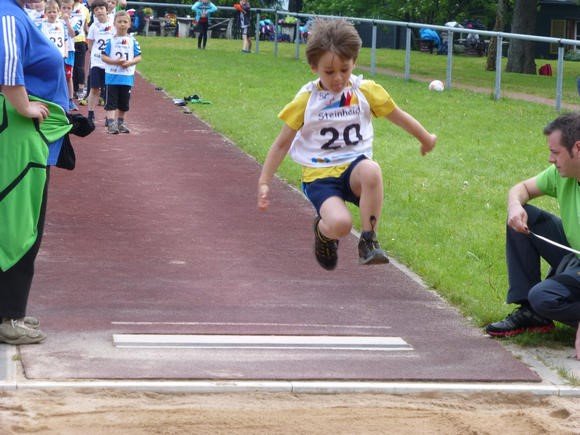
<point x="341" y="226"/>
<point x="371" y="173"/>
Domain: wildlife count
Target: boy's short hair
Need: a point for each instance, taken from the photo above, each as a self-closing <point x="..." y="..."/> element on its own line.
<point x="62" y="2"/>
<point x="99" y="3"/>
<point x="122" y="14"/>
<point x="51" y="3"/>
<point x="337" y="36"/>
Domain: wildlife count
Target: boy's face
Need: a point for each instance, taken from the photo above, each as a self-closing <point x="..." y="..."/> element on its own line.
<point x="122" y="24"/>
<point x="38" y="6"/>
<point x="334" y="72"/>
<point x="112" y="4"/>
<point x="66" y="8"/>
<point x="100" y="12"/>
<point x="51" y="14"/>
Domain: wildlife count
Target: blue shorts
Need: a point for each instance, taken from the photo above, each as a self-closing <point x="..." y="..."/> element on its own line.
<point x="97" y="77"/>
<point x="320" y="190"/>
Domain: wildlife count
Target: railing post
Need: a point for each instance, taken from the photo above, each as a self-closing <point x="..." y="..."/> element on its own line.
<point x="408" y="54"/>
<point x="559" y="77"/>
<point x="276" y="33"/>
<point x="449" y="59"/>
<point x="498" y="57"/>
<point x="257" y="34"/>
<point x="374" y="50"/>
<point x="297" y="38"/>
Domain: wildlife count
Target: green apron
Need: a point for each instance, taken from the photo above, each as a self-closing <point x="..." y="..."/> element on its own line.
<point x="23" y="162"/>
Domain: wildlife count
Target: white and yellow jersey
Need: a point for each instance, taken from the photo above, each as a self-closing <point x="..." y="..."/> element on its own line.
<point x="334" y="129"/>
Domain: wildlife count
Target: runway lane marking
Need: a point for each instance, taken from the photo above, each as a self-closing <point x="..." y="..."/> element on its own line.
<point x="320" y="342"/>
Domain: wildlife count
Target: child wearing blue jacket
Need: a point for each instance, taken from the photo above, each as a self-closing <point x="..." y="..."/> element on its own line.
<point x="203" y="10"/>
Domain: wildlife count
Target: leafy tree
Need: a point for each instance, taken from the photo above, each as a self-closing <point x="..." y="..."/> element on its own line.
<point x="421" y="11"/>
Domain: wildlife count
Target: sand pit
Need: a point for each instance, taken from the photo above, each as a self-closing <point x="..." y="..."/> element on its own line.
<point x="114" y="412"/>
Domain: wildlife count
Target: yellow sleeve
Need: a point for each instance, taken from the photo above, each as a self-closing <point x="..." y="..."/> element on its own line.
<point x="379" y="99"/>
<point x="293" y="113"/>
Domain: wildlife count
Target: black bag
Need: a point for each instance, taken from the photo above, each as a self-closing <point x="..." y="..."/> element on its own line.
<point x="66" y="158"/>
<point x="81" y="127"/>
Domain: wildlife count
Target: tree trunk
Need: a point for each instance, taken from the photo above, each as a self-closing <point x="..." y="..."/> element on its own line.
<point x="521" y="54"/>
<point x="498" y="27"/>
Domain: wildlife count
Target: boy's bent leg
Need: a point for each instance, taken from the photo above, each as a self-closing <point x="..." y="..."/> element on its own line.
<point x="325" y="249"/>
<point x="366" y="183"/>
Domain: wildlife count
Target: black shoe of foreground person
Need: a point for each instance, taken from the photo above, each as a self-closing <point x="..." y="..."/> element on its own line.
<point x="520" y="320"/>
<point x="325" y="249"/>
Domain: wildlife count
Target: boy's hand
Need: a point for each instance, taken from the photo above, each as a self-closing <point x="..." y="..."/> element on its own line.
<point x="428" y="145"/>
<point x="263" y="201"/>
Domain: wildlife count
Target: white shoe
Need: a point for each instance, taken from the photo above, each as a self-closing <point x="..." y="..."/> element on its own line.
<point x="17" y="331"/>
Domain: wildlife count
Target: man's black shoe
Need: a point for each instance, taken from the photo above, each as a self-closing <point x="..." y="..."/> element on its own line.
<point x="520" y="320"/>
<point x="325" y="249"/>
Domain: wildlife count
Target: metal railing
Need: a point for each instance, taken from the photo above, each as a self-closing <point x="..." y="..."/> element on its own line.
<point x="500" y="36"/>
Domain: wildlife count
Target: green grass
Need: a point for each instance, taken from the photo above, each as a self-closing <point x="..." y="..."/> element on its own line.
<point x="444" y="214"/>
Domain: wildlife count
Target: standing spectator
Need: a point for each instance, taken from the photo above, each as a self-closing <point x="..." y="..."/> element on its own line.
<point x="31" y="66"/>
<point x="245" y="21"/>
<point x="59" y="32"/>
<point x="69" y="62"/>
<point x="35" y="10"/>
<point x="120" y="55"/>
<point x="100" y="32"/>
<point x="80" y="17"/>
<point x="203" y="11"/>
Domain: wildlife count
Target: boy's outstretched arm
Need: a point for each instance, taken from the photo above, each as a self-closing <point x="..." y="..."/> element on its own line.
<point x="277" y="152"/>
<point x="410" y="124"/>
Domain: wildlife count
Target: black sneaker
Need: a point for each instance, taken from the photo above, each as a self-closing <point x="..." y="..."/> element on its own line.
<point x="369" y="250"/>
<point x="325" y="249"/>
<point x="520" y="320"/>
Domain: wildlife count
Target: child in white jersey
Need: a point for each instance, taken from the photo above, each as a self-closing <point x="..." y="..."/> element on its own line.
<point x="66" y="8"/>
<point x="328" y="131"/>
<point x="58" y="31"/>
<point x="99" y="34"/>
<point x="35" y="10"/>
<point x="54" y="28"/>
<point x="80" y="17"/>
<point x="120" y="55"/>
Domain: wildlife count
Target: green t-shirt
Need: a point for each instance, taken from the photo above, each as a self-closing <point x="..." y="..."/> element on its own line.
<point x="567" y="191"/>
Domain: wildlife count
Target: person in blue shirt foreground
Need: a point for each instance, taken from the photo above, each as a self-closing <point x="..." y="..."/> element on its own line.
<point x="31" y="66"/>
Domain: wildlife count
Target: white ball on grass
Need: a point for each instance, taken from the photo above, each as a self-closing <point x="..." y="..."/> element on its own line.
<point x="437" y="86"/>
